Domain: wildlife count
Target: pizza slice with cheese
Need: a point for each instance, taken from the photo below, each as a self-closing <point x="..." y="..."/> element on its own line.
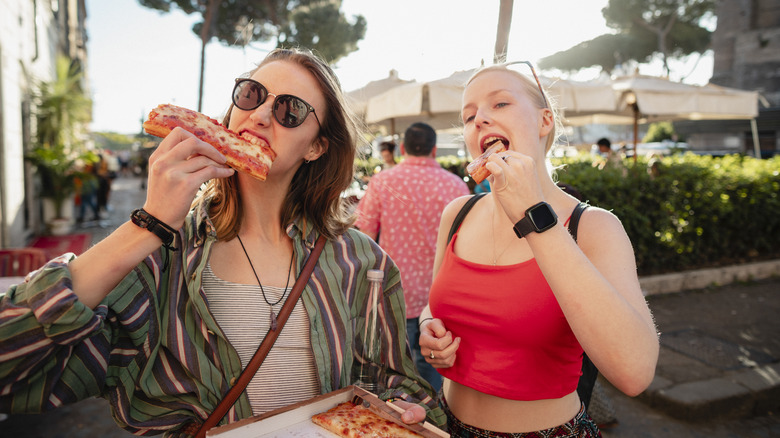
<point x="477" y="168"/>
<point x="349" y="420"/>
<point x="247" y="154"/>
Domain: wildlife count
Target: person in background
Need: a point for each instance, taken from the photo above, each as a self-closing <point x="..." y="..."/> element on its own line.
<point x="162" y="328"/>
<point x="515" y="300"/>
<point x="608" y="157"/>
<point x="103" y="175"/>
<point x="483" y="187"/>
<point x="387" y="151"/>
<point x="405" y="204"/>
<point x="88" y="188"/>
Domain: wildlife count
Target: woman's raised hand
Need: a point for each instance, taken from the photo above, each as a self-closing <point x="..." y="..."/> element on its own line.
<point x="515" y="182"/>
<point x="177" y="169"/>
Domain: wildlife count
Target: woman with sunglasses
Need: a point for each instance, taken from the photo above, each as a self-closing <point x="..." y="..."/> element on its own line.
<point x="515" y="299"/>
<point x="164" y="331"/>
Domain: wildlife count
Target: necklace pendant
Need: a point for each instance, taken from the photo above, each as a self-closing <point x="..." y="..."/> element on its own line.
<point x="273" y="321"/>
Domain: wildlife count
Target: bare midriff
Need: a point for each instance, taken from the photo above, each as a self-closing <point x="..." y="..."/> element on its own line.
<point x="503" y="415"/>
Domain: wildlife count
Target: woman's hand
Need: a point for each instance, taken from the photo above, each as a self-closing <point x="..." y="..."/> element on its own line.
<point x="437" y="344"/>
<point x="514" y="182"/>
<point x="178" y="167"/>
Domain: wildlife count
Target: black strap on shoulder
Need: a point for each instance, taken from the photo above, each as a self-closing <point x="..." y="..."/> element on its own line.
<point x="574" y="221"/>
<point x="462" y="214"/>
<point x="589" y="371"/>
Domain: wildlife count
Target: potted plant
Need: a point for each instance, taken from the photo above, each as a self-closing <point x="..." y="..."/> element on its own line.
<point x="62" y="110"/>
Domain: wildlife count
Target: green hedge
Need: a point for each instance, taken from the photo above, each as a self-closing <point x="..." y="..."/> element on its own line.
<point x="691" y="212"/>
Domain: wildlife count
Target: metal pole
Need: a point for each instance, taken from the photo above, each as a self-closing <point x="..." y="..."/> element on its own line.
<point x="635" y="107"/>
<point x="756" y="145"/>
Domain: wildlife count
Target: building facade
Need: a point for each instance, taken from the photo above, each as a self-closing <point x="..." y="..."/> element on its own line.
<point x="32" y="34"/>
<point x="746" y="47"/>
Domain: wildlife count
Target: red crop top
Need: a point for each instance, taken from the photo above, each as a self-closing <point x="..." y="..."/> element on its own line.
<point x="515" y="341"/>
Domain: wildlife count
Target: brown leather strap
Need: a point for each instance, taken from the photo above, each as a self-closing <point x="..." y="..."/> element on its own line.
<point x="254" y="364"/>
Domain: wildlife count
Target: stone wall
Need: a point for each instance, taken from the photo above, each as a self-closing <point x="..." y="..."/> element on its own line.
<point x="746" y="45"/>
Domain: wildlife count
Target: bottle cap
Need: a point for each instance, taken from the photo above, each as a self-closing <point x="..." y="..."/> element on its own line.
<point x="375" y="274"/>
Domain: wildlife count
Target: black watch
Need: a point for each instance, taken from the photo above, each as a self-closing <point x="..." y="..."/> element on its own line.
<point x="145" y="220"/>
<point x="540" y="217"/>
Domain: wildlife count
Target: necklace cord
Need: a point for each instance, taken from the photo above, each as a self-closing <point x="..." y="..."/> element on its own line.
<point x="265" y="346"/>
<point x="493" y="235"/>
<point x="289" y="271"/>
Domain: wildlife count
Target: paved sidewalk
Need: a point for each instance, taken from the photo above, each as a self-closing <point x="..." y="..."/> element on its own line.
<point x="718" y="373"/>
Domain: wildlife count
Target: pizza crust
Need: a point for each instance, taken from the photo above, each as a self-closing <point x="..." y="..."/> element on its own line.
<point x="477" y="168"/>
<point x="244" y="156"/>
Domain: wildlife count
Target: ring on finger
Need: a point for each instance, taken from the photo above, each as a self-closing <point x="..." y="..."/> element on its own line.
<point x="432" y="356"/>
<point x="506" y="158"/>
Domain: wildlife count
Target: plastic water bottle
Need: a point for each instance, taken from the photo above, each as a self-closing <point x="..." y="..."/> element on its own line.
<point x="371" y="370"/>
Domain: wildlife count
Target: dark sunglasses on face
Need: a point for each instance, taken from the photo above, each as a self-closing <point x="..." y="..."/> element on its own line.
<point x="290" y="111"/>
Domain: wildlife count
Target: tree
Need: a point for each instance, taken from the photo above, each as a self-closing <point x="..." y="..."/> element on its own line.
<point x="659" y="131"/>
<point x="315" y="24"/>
<point x="669" y="28"/>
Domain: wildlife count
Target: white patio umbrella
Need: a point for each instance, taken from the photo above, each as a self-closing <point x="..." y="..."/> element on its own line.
<point x="435" y="102"/>
<point x="438" y="102"/>
<point x="647" y="99"/>
<point x="577" y="99"/>
<point x="358" y="99"/>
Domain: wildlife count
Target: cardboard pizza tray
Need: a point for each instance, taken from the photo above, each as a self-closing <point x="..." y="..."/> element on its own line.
<point x="295" y="420"/>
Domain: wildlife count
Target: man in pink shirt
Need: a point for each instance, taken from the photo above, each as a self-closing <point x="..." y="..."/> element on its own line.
<point x="403" y="206"/>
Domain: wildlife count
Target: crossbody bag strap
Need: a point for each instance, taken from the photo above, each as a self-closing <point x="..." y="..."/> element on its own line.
<point x="462" y="214"/>
<point x="270" y="338"/>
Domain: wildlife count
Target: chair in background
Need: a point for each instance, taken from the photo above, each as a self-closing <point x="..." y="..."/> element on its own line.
<point x="18" y="262"/>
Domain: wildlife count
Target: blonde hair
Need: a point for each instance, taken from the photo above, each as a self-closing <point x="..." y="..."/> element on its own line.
<point x="315" y="190"/>
<point x="540" y="100"/>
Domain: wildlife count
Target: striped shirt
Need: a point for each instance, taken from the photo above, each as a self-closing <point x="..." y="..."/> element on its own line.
<point x="154" y="350"/>
<point x="288" y="374"/>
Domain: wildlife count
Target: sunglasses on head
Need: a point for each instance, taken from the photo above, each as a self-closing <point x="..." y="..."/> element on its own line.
<point x="510" y="65"/>
<point x="290" y="111"/>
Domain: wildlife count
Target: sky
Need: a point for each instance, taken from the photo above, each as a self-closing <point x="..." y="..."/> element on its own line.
<point x="140" y="58"/>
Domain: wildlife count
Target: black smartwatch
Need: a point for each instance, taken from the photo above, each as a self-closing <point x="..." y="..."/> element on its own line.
<point x="145" y="220"/>
<point x="540" y="217"/>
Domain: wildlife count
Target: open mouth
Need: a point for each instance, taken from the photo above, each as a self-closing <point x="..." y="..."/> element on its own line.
<point x="246" y="135"/>
<point x="493" y="142"/>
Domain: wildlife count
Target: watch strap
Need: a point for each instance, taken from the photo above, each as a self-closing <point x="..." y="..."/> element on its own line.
<point x="526" y="225"/>
<point x="523" y="227"/>
<point x="143" y="219"/>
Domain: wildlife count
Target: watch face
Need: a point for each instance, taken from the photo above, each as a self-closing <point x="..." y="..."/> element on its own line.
<point x="543" y="217"/>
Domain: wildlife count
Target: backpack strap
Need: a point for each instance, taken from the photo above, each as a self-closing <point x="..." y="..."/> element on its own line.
<point x="574" y="221"/>
<point x="589" y="371"/>
<point x="462" y="214"/>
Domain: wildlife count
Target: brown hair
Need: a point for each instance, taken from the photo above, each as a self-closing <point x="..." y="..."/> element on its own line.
<point x="315" y="190"/>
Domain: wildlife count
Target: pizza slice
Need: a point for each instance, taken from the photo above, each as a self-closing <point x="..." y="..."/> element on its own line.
<point x="247" y="154"/>
<point x="349" y="420"/>
<point x="477" y="168"/>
